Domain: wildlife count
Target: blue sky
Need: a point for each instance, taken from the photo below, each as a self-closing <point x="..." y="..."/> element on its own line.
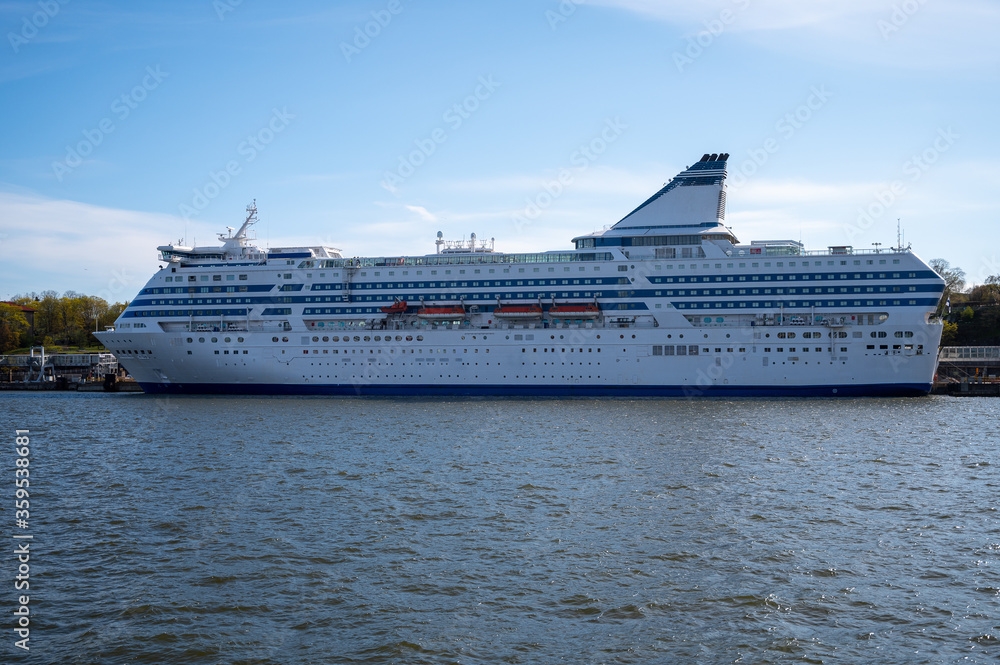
<point x="372" y="125"/>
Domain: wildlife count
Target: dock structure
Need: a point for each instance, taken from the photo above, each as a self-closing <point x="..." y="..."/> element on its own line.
<point x="972" y="371"/>
<point x="968" y="363"/>
<point x="39" y="370"/>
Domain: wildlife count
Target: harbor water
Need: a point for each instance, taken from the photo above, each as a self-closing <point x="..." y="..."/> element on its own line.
<point x="310" y="530"/>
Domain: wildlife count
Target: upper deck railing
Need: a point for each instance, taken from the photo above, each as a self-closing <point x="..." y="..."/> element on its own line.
<point x="833" y="251"/>
<point x="457" y="259"/>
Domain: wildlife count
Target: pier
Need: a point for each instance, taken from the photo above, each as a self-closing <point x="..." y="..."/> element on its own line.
<point x="64" y="371"/>
<point x="968" y="371"/>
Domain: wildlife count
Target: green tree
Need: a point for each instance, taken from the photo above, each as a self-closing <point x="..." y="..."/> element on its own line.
<point x="13" y="325"/>
<point x="70" y="319"/>
<point x="48" y="315"/>
<point x="987" y="293"/>
<point x="949" y="334"/>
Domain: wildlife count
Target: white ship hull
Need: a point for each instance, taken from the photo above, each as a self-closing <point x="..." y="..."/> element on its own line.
<point x="577" y="362"/>
<point x="684" y="310"/>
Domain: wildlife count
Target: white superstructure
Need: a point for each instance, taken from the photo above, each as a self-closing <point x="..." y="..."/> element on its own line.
<point x="666" y="302"/>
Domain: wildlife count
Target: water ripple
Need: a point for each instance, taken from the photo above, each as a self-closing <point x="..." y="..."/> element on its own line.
<point x="204" y="530"/>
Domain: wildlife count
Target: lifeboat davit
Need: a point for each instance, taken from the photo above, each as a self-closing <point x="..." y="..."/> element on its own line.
<point x="518" y="312"/>
<point x="585" y="311"/>
<point x="397" y="307"/>
<point x="441" y="313"/>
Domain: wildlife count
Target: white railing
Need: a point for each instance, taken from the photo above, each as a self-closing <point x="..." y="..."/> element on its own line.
<point x="970" y="353"/>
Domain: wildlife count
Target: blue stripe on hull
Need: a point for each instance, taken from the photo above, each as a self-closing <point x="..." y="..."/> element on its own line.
<point x="396" y="390"/>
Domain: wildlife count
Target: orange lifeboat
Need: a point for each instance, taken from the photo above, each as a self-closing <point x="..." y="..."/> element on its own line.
<point x="397" y="307"/>
<point x="441" y="313"/>
<point x="585" y="311"/>
<point x="518" y="312"/>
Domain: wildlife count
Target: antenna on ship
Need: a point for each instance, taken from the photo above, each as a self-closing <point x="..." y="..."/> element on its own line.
<point x="250" y="220"/>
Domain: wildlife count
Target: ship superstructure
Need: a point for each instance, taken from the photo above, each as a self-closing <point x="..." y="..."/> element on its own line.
<point x="667" y="302"/>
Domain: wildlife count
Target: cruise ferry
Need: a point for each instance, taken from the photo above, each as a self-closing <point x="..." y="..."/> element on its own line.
<point x="666" y="302"/>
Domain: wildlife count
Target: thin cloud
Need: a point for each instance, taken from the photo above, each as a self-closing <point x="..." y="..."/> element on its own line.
<point x="90" y="249"/>
<point x="927" y="35"/>
<point x="424" y="214"/>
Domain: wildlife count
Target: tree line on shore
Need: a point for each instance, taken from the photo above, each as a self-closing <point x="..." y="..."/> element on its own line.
<point x="66" y="320"/>
<point x="971" y="315"/>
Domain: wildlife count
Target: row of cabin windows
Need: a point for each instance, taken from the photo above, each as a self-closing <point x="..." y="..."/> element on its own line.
<point x="754" y="264"/>
<point x="805" y="277"/>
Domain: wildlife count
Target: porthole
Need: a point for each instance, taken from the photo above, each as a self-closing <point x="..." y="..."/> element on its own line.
<point x="315" y="339"/>
<point x="284" y="339"/>
<point x="229" y="339"/>
<point x="239" y="339"/>
<point x="189" y="340"/>
<point x="201" y="339"/>
<point x="420" y="338"/>
<point x="326" y="339"/>
<point x="274" y="339"/>
<point x="358" y="339"/>
<point x="215" y="339"/>
<point x="336" y="338"/>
